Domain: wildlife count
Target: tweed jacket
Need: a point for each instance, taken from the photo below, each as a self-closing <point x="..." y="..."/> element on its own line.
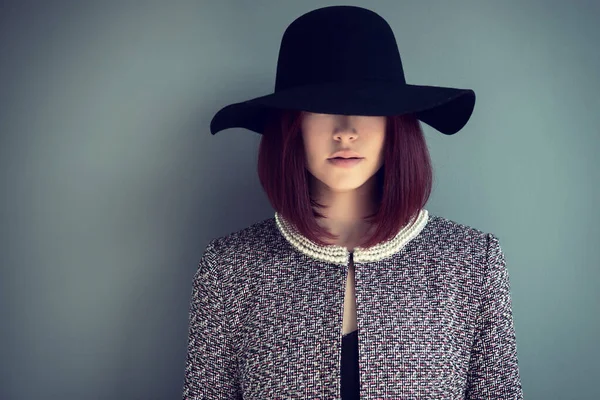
<point x="433" y="308"/>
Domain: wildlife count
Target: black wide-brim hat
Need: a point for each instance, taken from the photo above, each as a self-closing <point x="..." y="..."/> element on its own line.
<point x="345" y="60"/>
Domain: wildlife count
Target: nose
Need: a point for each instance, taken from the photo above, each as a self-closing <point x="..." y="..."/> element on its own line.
<point x="345" y="129"/>
<point x="345" y="134"/>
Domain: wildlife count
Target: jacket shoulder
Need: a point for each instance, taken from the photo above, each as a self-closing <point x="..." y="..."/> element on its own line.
<point x="459" y="238"/>
<point x="448" y="228"/>
<point x="260" y="235"/>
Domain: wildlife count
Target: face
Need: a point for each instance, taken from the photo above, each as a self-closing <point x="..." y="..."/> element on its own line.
<point x="325" y="134"/>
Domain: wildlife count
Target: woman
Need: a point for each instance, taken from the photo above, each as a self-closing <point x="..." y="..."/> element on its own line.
<point x="352" y="288"/>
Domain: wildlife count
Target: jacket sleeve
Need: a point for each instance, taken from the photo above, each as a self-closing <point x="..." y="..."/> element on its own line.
<point x="210" y="371"/>
<point x="493" y="367"/>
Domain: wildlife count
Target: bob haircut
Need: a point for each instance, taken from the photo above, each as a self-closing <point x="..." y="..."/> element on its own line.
<point x="404" y="181"/>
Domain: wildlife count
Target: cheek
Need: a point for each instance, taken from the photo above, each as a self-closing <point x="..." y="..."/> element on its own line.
<point x="310" y="152"/>
<point x="382" y="143"/>
<point x="312" y="146"/>
<point x="376" y="140"/>
<point x="379" y="148"/>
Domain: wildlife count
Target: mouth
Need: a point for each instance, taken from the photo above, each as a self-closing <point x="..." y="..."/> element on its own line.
<point x="344" y="162"/>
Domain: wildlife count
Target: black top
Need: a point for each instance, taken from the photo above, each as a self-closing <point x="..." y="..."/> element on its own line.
<point x="350" y="384"/>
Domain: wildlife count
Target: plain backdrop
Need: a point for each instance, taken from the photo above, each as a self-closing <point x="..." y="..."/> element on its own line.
<point x="111" y="184"/>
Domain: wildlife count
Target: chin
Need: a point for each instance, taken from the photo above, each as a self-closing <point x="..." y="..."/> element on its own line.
<point x="342" y="182"/>
<point x="345" y="186"/>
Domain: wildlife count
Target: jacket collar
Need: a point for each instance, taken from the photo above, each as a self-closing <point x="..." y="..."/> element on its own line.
<point x="340" y="254"/>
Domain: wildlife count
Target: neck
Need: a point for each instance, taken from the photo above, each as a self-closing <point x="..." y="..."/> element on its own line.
<point x="345" y="212"/>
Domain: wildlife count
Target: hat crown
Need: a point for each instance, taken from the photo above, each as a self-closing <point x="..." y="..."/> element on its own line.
<point x="338" y="43"/>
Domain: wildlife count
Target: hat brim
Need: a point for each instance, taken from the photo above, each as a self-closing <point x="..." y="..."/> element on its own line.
<point x="445" y="109"/>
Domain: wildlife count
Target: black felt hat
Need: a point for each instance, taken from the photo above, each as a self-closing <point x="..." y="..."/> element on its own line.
<point x="345" y="60"/>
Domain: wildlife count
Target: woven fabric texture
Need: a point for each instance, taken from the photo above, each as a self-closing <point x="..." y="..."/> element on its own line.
<point x="434" y="319"/>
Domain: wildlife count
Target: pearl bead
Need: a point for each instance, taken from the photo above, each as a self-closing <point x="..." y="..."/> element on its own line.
<point x="341" y="255"/>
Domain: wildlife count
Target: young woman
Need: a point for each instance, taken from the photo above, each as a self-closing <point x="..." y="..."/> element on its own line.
<point x="352" y="287"/>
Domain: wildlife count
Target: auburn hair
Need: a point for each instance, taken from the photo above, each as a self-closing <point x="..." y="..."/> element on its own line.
<point x="404" y="182"/>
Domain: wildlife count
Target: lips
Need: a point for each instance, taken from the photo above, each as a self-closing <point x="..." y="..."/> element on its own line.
<point x="345" y="162"/>
<point x="345" y="153"/>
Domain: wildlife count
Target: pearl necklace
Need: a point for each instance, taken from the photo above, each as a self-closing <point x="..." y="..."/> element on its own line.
<point x="340" y="254"/>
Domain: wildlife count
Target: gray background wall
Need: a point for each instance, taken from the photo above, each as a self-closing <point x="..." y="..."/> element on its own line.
<point x="111" y="185"/>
